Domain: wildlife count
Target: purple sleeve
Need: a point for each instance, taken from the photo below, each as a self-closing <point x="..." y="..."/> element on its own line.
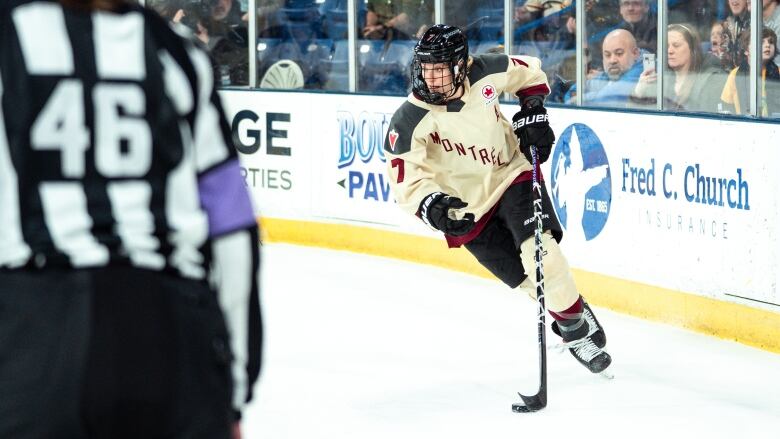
<point x="224" y="197"/>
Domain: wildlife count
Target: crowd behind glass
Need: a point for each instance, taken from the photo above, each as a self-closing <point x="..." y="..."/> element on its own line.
<point x="304" y="44"/>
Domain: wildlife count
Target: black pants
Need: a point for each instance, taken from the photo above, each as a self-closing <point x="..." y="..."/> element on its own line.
<point x="111" y="353"/>
<point x="497" y="247"/>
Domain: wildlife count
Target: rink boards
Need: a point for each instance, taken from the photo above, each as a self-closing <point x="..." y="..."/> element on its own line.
<point x="666" y="217"/>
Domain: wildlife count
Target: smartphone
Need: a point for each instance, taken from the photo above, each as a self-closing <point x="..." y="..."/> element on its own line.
<point x="648" y="61"/>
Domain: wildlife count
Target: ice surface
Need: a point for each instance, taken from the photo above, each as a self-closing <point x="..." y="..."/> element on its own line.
<point x="366" y="347"/>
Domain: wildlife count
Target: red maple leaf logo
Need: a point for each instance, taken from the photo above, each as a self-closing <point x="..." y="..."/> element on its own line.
<point x="488" y="91"/>
<point x="392" y="136"/>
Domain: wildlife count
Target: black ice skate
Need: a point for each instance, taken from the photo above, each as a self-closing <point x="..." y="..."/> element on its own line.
<point x="596" y="332"/>
<point x="589" y="355"/>
<point x="587" y="342"/>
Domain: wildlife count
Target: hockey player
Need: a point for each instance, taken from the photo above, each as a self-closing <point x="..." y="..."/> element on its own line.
<point x="129" y="252"/>
<point x="456" y="163"/>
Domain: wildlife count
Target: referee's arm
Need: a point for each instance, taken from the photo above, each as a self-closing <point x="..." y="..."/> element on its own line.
<point x="233" y="230"/>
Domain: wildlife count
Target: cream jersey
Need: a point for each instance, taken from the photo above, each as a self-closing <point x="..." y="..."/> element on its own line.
<point x="465" y="148"/>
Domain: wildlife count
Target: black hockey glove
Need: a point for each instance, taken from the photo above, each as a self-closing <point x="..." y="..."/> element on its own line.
<point x="434" y="211"/>
<point x="532" y="128"/>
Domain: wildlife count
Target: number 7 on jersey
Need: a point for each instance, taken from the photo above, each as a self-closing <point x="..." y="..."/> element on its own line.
<point x="398" y="163"/>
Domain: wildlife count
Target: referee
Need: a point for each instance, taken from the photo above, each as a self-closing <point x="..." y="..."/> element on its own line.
<point x="129" y="254"/>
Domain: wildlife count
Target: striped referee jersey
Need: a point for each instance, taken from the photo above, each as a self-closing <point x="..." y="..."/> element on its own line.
<point x="114" y="150"/>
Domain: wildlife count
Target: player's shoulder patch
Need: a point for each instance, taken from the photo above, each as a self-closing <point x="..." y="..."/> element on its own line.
<point x="487" y="64"/>
<point x="402" y="125"/>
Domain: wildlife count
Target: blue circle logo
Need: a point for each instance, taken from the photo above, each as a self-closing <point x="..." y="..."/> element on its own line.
<point x="581" y="182"/>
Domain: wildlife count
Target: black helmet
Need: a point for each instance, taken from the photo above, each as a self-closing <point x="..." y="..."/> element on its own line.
<point x="440" y="44"/>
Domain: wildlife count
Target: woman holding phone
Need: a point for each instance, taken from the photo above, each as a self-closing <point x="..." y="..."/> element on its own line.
<point x="689" y="85"/>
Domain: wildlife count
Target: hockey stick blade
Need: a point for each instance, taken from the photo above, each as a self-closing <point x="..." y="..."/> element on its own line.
<point x="532" y="403"/>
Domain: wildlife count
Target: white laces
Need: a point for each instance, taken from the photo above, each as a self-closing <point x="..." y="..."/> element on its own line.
<point x="584" y="348"/>
<point x="592" y="326"/>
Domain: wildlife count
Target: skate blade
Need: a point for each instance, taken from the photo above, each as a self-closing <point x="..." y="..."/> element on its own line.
<point x="607" y="374"/>
<point x="522" y="408"/>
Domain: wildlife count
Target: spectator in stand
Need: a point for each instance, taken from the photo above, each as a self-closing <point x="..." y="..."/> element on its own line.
<point x="737" y="89"/>
<point x="772" y="15"/>
<point x="221" y="26"/>
<point x="399" y="19"/>
<point x="222" y="11"/>
<point x="228" y="11"/>
<point x="731" y="56"/>
<point x="772" y="20"/>
<point x="638" y="20"/>
<point x="737" y="21"/>
<point x="718" y="55"/>
<point x="550" y="10"/>
<point x="690" y="85"/>
<point x="622" y="67"/>
<point x="717" y="41"/>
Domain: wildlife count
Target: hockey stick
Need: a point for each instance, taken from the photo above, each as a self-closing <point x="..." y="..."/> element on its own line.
<point x="538" y="401"/>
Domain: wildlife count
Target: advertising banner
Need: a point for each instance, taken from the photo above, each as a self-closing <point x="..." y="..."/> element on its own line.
<point x="677" y="202"/>
<point x="271" y="133"/>
<point x="683" y="203"/>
